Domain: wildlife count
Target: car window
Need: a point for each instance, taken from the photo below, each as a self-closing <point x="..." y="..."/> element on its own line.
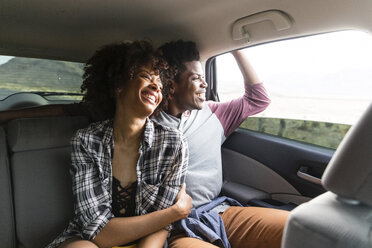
<point x="55" y="80"/>
<point x="319" y="85"/>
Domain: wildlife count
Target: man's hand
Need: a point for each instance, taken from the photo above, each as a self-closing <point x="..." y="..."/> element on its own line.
<point x="183" y="203"/>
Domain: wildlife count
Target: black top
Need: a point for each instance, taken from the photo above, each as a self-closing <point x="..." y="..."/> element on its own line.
<point x="123" y="199"/>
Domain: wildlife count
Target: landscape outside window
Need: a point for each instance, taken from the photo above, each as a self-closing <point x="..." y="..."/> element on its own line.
<point x="50" y="78"/>
<point x="319" y="85"/>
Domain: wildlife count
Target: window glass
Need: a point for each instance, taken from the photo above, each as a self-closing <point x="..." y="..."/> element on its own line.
<point x="319" y="85"/>
<point x="49" y="78"/>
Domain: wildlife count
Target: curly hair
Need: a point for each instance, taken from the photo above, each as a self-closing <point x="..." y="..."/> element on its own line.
<point x="110" y="68"/>
<point x="176" y="53"/>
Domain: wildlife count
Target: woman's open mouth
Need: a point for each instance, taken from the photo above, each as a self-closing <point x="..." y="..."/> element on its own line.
<point x="150" y="97"/>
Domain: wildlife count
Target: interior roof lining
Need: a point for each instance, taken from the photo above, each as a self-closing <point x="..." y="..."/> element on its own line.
<point x="70" y="30"/>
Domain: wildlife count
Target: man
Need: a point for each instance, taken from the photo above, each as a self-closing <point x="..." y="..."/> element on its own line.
<point x="206" y="125"/>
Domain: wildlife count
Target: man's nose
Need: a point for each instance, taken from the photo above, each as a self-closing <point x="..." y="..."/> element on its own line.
<point x="204" y="83"/>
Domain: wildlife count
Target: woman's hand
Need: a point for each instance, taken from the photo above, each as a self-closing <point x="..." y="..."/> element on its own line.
<point x="183" y="203"/>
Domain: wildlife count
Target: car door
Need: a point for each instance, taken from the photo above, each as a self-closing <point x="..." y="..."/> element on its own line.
<point x="277" y="158"/>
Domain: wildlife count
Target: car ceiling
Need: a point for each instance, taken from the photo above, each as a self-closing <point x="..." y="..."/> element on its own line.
<point x="74" y="29"/>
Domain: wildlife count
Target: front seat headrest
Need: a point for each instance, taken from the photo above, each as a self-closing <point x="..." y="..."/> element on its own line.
<point x="349" y="173"/>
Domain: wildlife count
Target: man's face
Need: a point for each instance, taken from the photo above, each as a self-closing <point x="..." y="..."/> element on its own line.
<point x="190" y="88"/>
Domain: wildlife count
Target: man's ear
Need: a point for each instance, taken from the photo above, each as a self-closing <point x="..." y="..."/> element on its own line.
<point x="171" y="91"/>
<point x="172" y="87"/>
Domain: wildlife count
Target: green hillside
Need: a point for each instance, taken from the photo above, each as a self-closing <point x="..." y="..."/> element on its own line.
<point x="313" y="132"/>
<point x="25" y="74"/>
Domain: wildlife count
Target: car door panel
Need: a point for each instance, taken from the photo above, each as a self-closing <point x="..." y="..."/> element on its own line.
<point x="271" y="165"/>
<point x="240" y="169"/>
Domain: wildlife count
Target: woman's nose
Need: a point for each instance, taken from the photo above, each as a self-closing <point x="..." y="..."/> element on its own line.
<point x="155" y="86"/>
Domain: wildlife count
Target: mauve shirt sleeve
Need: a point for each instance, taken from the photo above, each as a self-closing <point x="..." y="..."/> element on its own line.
<point x="231" y="114"/>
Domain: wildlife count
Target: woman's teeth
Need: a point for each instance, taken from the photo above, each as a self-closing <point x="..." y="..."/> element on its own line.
<point x="152" y="98"/>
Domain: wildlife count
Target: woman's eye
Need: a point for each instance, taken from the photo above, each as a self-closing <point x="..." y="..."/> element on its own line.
<point x="145" y="76"/>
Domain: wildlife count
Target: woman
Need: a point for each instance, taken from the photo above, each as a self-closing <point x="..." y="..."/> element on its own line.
<point x="127" y="171"/>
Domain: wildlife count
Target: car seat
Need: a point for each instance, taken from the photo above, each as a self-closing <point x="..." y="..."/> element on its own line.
<point x="341" y="217"/>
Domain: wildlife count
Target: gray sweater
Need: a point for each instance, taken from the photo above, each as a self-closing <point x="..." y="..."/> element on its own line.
<point x="205" y="130"/>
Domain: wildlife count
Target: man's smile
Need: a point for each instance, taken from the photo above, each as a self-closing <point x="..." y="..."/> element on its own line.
<point x="201" y="95"/>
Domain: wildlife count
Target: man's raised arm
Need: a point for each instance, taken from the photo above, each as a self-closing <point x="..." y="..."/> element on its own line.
<point x="249" y="74"/>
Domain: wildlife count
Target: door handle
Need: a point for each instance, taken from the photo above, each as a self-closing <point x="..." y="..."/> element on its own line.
<point x="302" y="173"/>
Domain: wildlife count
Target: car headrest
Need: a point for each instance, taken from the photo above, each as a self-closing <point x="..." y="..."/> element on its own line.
<point x="43" y="133"/>
<point x="349" y="173"/>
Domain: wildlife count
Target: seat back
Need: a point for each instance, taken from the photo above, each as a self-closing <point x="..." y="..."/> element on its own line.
<point x="342" y="217"/>
<point x="7" y="228"/>
<point x="40" y="161"/>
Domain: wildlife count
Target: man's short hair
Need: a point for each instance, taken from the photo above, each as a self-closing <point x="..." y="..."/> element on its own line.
<point x="176" y="53"/>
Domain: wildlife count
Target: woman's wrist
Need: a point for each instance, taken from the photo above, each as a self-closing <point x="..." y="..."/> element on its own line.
<point x="179" y="212"/>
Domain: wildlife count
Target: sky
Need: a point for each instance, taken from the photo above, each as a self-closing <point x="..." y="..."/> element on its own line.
<point x="338" y="63"/>
<point x="4" y="59"/>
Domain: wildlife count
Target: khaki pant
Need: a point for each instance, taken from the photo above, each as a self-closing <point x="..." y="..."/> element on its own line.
<point x="246" y="227"/>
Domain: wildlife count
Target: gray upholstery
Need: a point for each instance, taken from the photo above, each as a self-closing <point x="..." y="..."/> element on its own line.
<point x="327" y="222"/>
<point x="40" y="173"/>
<point x="42" y="133"/>
<point x="243" y="193"/>
<point x="342" y="217"/>
<point x="7" y="229"/>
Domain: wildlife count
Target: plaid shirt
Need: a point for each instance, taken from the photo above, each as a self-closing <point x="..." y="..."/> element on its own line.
<point x="161" y="170"/>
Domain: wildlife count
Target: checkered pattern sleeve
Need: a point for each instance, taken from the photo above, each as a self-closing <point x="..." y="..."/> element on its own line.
<point x="91" y="198"/>
<point x="171" y="167"/>
<point x="176" y="175"/>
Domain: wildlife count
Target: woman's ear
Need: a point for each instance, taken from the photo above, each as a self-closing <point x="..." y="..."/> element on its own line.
<point x="117" y="92"/>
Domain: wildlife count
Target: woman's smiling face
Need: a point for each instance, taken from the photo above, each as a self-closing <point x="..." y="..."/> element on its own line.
<point x="142" y="93"/>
